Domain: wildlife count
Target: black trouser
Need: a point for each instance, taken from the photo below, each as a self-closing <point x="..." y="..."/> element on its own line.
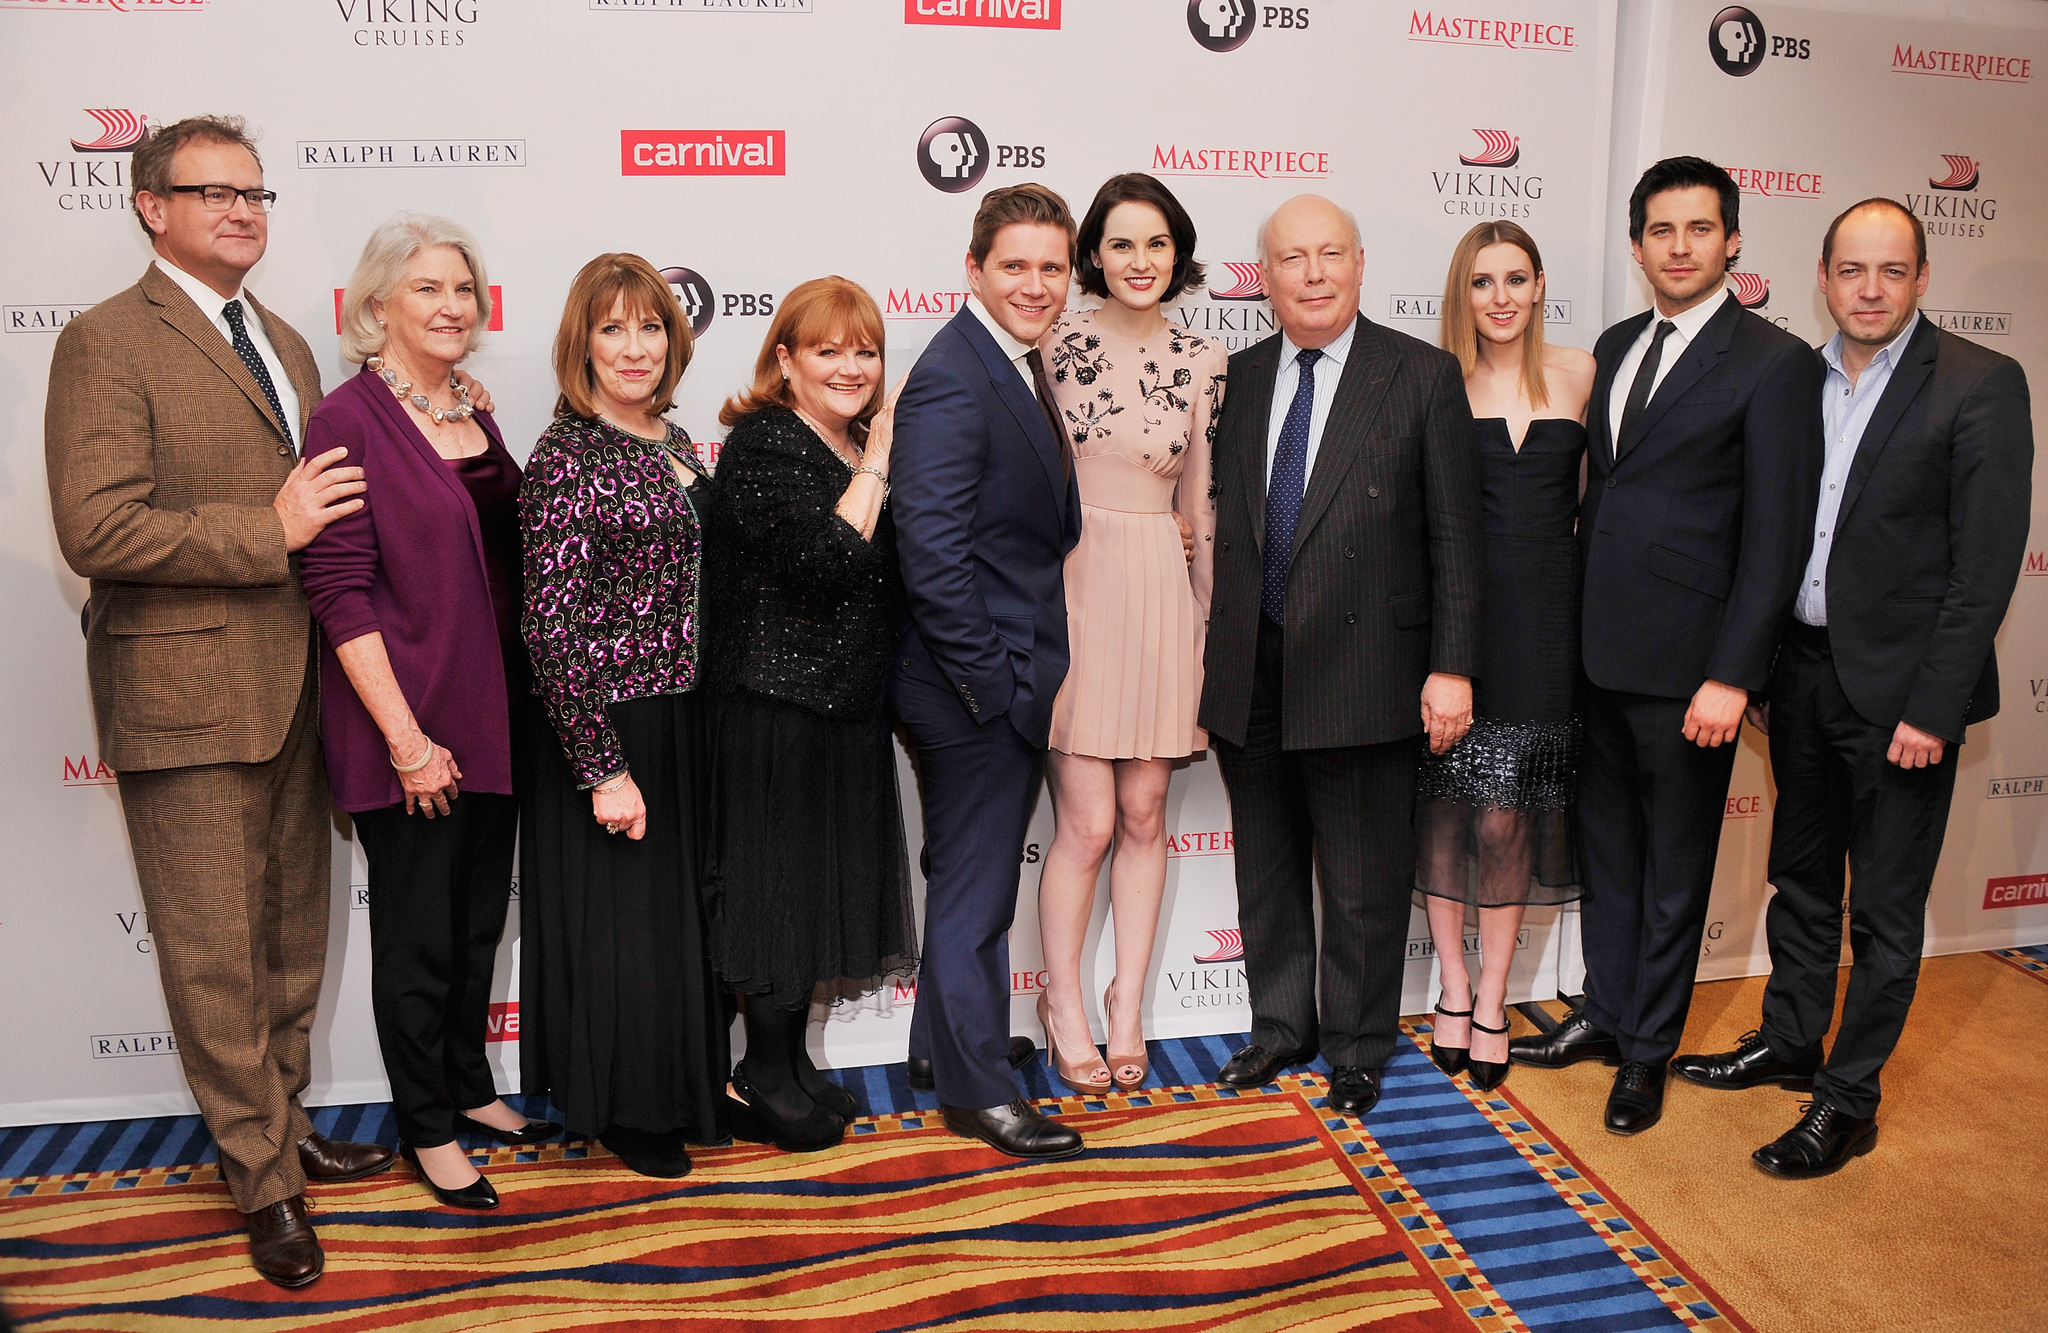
<point x="438" y="893"/>
<point x="1838" y="796"/>
<point x="1347" y="812"/>
<point x="1650" y="809"/>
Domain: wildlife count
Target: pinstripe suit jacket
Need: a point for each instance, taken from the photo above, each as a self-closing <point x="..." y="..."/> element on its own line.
<point x="1383" y="580"/>
<point x="163" y="459"/>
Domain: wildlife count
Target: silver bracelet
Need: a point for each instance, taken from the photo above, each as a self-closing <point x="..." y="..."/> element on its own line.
<point x="616" y="783"/>
<point x="878" y="475"/>
<point x="421" y="762"/>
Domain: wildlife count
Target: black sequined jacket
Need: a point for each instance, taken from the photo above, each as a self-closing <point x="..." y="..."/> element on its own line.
<point x="799" y="607"/>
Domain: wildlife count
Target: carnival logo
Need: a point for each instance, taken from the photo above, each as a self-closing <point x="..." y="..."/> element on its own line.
<point x="952" y="154"/>
<point x="922" y="303"/>
<point x="1984" y="67"/>
<point x="1260" y="163"/>
<point x="701" y="152"/>
<point x="1751" y="289"/>
<point x="1237" y="282"/>
<point x="38" y="318"/>
<point x="495" y="325"/>
<point x="503" y="1022"/>
<point x="1962" y="174"/>
<point x="1518" y="35"/>
<point x="1776" y="184"/>
<point x="699" y="302"/>
<point x="122" y="1045"/>
<point x="418" y="23"/>
<point x="1497" y="148"/>
<point x="1229" y="947"/>
<point x="984" y="13"/>
<point x="2016" y="891"/>
<point x="1222" y="25"/>
<point x="119" y="130"/>
<point x="1491" y="192"/>
<point x="2002" y="789"/>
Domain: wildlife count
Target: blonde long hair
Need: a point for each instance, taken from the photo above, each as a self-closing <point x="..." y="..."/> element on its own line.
<point x="1461" y="333"/>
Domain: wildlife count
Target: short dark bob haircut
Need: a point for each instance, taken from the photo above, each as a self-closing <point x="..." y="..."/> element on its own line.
<point x="1135" y="187"/>
<point x="1684" y="173"/>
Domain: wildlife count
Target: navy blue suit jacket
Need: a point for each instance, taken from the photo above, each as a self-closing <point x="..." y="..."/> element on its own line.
<point x="985" y="515"/>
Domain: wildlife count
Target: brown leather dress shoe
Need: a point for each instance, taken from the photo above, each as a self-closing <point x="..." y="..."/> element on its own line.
<point x="282" y="1244"/>
<point x="331" y="1162"/>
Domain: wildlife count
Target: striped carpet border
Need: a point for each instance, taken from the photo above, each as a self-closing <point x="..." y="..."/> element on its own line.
<point x="2031" y="959"/>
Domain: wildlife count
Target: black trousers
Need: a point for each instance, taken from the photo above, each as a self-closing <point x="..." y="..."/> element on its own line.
<point x="438" y="894"/>
<point x="1840" y="798"/>
<point x="1349" y="813"/>
<point x="1650" y="809"/>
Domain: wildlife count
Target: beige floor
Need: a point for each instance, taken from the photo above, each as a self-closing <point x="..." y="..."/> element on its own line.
<point x="1943" y="1227"/>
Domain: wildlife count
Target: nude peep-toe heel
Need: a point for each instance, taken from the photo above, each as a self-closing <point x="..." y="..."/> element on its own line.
<point x="1082" y="1078"/>
<point x="1118" y="1062"/>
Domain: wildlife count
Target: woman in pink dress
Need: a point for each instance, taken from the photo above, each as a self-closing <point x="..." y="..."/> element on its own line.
<point x="1137" y="396"/>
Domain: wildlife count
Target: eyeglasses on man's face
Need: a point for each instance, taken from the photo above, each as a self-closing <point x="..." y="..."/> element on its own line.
<point x="220" y="198"/>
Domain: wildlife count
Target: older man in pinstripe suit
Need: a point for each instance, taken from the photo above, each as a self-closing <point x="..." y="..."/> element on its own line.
<point x="1344" y="629"/>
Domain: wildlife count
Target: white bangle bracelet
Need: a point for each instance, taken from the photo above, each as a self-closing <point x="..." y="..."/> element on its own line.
<point x="421" y="762"/>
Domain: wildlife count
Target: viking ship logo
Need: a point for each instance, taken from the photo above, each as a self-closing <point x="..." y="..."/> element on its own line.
<point x="1962" y="173"/>
<point x="1244" y="284"/>
<point x="1753" y="290"/>
<point x="1229" y="947"/>
<point x="1498" y="148"/>
<point x="119" y="130"/>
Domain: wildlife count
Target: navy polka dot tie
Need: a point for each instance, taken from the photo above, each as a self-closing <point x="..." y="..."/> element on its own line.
<point x="245" y="347"/>
<point x="1284" y="490"/>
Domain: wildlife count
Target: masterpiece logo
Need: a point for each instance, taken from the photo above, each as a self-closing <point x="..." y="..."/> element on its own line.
<point x="39" y="318"/>
<point x="496" y="324"/>
<point x="922" y="303"/>
<point x="1523" y="34"/>
<point x="701" y="152"/>
<point x="1495" y="193"/>
<point x="983" y="13"/>
<point x="419" y="23"/>
<point x="1738" y="43"/>
<point x="1771" y="183"/>
<point x="123" y="1045"/>
<point x="345" y="154"/>
<point x="96" y="181"/>
<point x="107" y="6"/>
<point x="1982" y="66"/>
<point x="1952" y="206"/>
<point x="2016" y="891"/>
<point x="86" y="771"/>
<point x="1271" y="163"/>
<point x="1743" y="807"/>
<point x="1211" y="842"/>
<point x="1416" y="306"/>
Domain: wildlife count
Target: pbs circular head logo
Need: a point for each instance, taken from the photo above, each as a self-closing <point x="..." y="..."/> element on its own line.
<point x="952" y="154"/>
<point x="1222" y="25"/>
<point x="1736" y="40"/>
<point x="700" y="303"/>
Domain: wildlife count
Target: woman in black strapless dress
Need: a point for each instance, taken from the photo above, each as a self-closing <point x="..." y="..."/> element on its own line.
<point x="1493" y="813"/>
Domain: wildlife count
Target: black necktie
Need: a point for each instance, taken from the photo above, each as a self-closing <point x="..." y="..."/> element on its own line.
<point x="1286" y="488"/>
<point x="1639" y="392"/>
<point x="245" y="347"/>
<point x="1050" y="408"/>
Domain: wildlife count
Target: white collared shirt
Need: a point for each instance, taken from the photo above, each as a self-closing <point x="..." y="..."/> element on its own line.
<point x="211" y="303"/>
<point x="1685" y="327"/>
<point x="1327" y="371"/>
<point x="1011" y="348"/>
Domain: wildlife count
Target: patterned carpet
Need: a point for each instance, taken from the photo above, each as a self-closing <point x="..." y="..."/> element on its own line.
<point x="1197" y="1207"/>
<point x="2031" y="959"/>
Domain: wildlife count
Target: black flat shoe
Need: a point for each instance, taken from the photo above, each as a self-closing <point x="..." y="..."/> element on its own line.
<point x="838" y="1101"/>
<point x="755" y="1121"/>
<point x="647" y="1153"/>
<point x="1450" y="1059"/>
<point x="534" y="1131"/>
<point x="1571" y="1041"/>
<point x="1821" y="1144"/>
<point x="1255" y="1066"/>
<point x="1354" y="1091"/>
<point x="1751" y="1064"/>
<point x="919" y="1072"/>
<point x="477" y="1195"/>
<point x="1486" y="1075"/>
<point x="1637" y="1101"/>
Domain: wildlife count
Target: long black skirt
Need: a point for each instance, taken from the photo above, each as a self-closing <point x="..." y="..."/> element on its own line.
<point x="621" y="1020"/>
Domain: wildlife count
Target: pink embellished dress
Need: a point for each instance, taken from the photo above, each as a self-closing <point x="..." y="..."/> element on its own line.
<point x="1139" y="413"/>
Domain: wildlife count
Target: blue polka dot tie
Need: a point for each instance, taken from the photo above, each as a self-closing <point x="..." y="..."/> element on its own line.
<point x="245" y="347"/>
<point x="1284" y="490"/>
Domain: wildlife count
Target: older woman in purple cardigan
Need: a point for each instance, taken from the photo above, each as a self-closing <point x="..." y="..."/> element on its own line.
<point x="418" y="597"/>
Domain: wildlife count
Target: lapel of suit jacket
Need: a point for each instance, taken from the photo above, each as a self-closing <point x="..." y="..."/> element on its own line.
<point x="182" y="315"/>
<point x="1916" y="364"/>
<point x="1251" y="383"/>
<point x="1360" y="391"/>
<point x="1700" y="355"/>
<point x="1022" y="404"/>
<point x="1603" y="384"/>
<point x="304" y="375"/>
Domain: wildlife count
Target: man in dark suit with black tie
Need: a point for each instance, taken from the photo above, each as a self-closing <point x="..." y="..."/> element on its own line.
<point x="1705" y="455"/>
<point x="1344" y="626"/>
<point x="986" y="510"/>
<point x="1915" y="547"/>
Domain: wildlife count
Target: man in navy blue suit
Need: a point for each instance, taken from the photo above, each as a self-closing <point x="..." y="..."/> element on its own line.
<point x="986" y="511"/>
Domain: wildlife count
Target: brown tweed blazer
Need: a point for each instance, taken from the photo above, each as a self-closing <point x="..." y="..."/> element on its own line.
<point x="163" y="458"/>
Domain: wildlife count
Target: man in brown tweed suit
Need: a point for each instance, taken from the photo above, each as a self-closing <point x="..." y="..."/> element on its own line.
<point x="174" y="414"/>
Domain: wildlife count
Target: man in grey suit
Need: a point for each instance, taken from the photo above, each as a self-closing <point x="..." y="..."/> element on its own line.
<point x="1344" y="628"/>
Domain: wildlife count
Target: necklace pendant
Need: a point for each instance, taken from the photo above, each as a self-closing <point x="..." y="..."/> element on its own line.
<point x="422" y="402"/>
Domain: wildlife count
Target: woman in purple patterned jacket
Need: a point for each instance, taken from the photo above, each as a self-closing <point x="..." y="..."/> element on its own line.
<point x="621" y="1020"/>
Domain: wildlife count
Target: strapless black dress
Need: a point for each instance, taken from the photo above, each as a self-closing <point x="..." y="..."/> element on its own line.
<point x="1494" y="813"/>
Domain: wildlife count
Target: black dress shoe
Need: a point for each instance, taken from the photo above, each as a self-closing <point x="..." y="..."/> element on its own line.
<point x="755" y="1120"/>
<point x="1354" y="1091"/>
<point x="1255" y="1066"/>
<point x="282" y="1244"/>
<point x="919" y="1072"/>
<point x="477" y="1195"/>
<point x="1823" y="1141"/>
<point x="1571" y="1041"/>
<point x="647" y="1152"/>
<point x="1751" y="1064"/>
<point x="1637" y="1101"/>
<point x="1015" y="1129"/>
<point x="534" y="1131"/>
<point x="334" y="1161"/>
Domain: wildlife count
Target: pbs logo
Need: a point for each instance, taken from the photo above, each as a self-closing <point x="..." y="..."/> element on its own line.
<point x="699" y="302"/>
<point x="1736" y="39"/>
<point x="1222" y="25"/>
<point x="952" y="154"/>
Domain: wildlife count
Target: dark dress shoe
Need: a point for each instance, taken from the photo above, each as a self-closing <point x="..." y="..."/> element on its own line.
<point x="1486" y="1075"/>
<point x="1015" y="1129"/>
<point x="1255" y="1066"/>
<point x="478" y="1195"/>
<point x="1571" y="1041"/>
<point x="533" y="1131"/>
<point x="1450" y="1059"/>
<point x="754" y="1120"/>
<point x="919" y="1071"/>
<point x="838" y="1101"/>
<point x="1354" y="1091"/>
<point x="1751" y="1064"/>
<point x="647" y="1152"/>
<point x="282" y="1244"/>
<point x="1637" y="1101"/>
<point x="331" y="1162"/>
<point x="1823" y="1141"/>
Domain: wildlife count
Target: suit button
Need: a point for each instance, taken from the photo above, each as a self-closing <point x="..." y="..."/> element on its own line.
<point x="1373" y="491"/>
<point x="284" y="451"/>
<point x="1349" y="553"/>
<point x="1224" y="545"/>
<point x="1351" y="617"/>
<point x="1610" y="483"/>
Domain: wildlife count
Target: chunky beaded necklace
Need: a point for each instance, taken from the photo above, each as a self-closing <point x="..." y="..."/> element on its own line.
<point x="402" y="390"/>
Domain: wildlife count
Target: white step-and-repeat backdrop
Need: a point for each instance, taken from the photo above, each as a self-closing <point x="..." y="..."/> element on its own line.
<point x="746" y="145"/>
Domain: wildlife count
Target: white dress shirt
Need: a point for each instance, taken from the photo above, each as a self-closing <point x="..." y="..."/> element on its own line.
<point x="1846" y="410"/>
<point x="1684" y="328"/>
<point x="211" y="303"/>
<point x="1011" y="348"/>
<point x="1327" y="371"/>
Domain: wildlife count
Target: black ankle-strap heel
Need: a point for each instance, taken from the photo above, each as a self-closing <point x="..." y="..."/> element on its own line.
<point x="1487" y="1074"/>
<point x="1450" y="1059"/>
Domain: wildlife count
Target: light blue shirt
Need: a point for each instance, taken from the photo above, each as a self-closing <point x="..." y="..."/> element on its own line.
<point x="1327" y="371"/>
<point x="1845" y="410"/>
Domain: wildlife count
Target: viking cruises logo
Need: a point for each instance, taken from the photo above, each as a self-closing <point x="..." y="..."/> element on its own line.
<point x="96" y="182"/>
<point x="1751" y="289"/>
<point x="1217" y="981"/>
<point x="700" y="303"/>
<point x="1962" y="173"/>
<point x="1497" y="148"/>
<point x="984" y="13"/>
<point x="701" y="152"/>
<point x="1982" y="66"/>
<point x="1229" y="947"/>
<point x="1222" y="25"/>
<point x="418" y="23"/>
<point x="119" y="132"/>
<point x="1493" y="191"/>
<point x="1233" y="312"/>
<point x="952" y="154"/>
<point x="1235" y="281"/>
<point x="1952" y="206"/>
